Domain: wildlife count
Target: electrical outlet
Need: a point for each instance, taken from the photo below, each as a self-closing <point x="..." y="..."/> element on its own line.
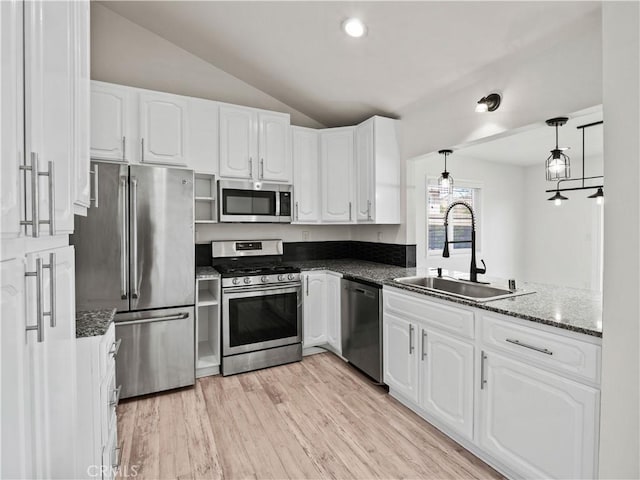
<point x="380" y="236"/>
<point x="305" y="235"/>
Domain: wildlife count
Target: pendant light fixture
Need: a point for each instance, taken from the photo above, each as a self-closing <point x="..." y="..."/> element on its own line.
<point x="557" y="198"/>
<point x="557" y="164"/>
<point x="445" y="182"/>
<point x="599" y="196"/>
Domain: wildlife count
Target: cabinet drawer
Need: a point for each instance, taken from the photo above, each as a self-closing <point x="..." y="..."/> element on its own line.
<point x="449" y="319"/>
<point x="109" y="397"/>
<point x="108" y="349"/>
<point x="567" y="355"/>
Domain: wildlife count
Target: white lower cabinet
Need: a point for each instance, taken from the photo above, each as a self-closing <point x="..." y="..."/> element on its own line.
<point x="314" y="309"/>
<point x="334" y="312"/>
<point x="399" y="356"/>
<point x="539" y="424"/>
<point x="529" y="405"/>
<point x="446" y="380"/>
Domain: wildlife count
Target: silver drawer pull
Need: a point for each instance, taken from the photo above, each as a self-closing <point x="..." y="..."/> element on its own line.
<point x="94" y="175"/>
<point x="116" y="346"/>
<point x="39" y="326"/>
<point x="483" y="359"/>
<point x="116" y="397"/>
<point x="117" y="452"/>
<point x="52" y="289"/>
<point x="532" y="347"/>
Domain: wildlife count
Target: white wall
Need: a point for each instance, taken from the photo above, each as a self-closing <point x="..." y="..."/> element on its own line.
<point x="620" y="404"/>
<point x="562" y="244"/>
<point x="501" y="224"/>
<point x="125" y="53"/>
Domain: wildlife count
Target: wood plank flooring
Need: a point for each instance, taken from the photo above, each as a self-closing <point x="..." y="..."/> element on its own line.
<point x="319" y="418"/>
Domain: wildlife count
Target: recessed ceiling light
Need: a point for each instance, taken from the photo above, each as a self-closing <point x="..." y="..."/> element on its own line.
<point x="354" y="27"/>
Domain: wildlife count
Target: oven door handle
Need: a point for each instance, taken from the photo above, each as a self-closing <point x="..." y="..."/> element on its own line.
<point x="242" y="291"/>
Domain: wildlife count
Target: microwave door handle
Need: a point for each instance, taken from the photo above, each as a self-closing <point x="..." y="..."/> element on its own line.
<point x="277" y="204"/>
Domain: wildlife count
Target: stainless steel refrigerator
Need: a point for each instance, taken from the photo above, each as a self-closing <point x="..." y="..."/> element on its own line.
<point x="135" y="252"/>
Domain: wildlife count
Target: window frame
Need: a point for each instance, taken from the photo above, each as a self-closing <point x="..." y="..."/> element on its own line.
<point x="477" y="207"/>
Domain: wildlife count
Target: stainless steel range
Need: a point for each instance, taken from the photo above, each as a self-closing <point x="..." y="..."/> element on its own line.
<point x="261" y="305"/>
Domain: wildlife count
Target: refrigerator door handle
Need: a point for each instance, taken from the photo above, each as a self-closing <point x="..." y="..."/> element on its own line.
<point x="134" y="237"/>
<point x="179" y="316"/>
<point x="123" y="240"/>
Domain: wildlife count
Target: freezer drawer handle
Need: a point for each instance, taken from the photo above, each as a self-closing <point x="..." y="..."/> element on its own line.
<point x="532" y="347"/>
<point x="116" y="347"/>
<point x="180" y="316"/>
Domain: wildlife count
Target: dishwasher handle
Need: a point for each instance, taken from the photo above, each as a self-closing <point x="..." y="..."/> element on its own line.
<point x="180" y="316"/>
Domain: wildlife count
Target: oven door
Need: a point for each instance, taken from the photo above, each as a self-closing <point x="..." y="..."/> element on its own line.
<point x="238" y="204"/>
<point x="257" y="319"/>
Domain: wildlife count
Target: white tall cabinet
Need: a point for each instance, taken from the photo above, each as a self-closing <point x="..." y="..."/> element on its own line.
<point x="45" y="173"/>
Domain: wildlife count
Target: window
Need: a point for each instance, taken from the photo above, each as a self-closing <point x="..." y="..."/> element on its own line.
<point x="459" y="219"/>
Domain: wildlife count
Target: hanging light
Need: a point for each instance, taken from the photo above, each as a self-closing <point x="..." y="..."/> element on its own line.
<point x="557" y="164"/>
<point x="557" y="198"/>
<point x="445" y="182"/>
<point x="599" y="196"/>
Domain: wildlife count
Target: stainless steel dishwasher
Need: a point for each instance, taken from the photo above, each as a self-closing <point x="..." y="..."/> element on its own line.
<point x="362" y="326"/>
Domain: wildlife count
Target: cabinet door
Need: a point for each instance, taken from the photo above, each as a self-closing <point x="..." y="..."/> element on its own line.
<point x="400" y="356"/>
<point x="365" y="181"/>
<point x="49" y="100"/>
<point x="203" y="136"/>
<point x="274" y="147"/>
<point x="163" y="128"/>
<point x="334" y="313"/>
<point x="81" y="114"/>
<point x="336" y="163"/>
<point x="12" y="134"/>
<point x="15" y="453"/>
<point x="315" y="309"/>
<point x="53" y="365"/>
<point x="538" y="423"/>
<point x="238" y="142"/>
<point x="446" y="381"/>
<point x="112" y="136"/>
<point x="306" y="184"/>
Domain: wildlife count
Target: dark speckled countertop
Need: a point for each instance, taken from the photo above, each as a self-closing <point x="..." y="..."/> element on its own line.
<point x="93" y="323"/>
<point x="206" y="273"/>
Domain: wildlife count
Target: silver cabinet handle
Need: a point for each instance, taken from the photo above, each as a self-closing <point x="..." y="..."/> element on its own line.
<point x="250" y="167"/>
<point x="116" y="347"/>
<point x="94" y="174"/>
<point x="123" y="239"/>
<point x="116" y="397"/>
<point x="124" y="145"/>
<point x="424" y="348"/>
<point x="180" y="316"/>
<point x="52" y="290"/>
<point x="39" y="326"/>
<point x="52" y="198"/>
<point x="35" y="195"/>
<point x="349" y="211"/>
<point x="297" y="212"/>
<point x="368" y="209"/>
<point x="307" y="285"/>
<point x="411" y="339"/>
<point x="532" y="347"/>
<point x="142" y="150"/>
<point x="262" y="168"/>
<point x="117" y="451"/>
<point x="483" y="359"/>
<point x="134" y="237"/>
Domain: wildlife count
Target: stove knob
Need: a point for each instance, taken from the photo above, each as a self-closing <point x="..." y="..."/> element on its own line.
<point x="280" y="278"/>
<point x="247" y="280"/>
<point x="235" y="281"/>
<point x="290" y="276"/>
<point x="264" y="279"/>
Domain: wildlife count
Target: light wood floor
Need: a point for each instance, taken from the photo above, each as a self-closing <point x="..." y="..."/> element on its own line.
<point x="316" y="419"/>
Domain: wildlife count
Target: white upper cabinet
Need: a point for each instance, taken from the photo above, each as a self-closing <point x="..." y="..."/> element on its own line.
<point x="203" y="136"/>
<point x="377" y="171"/>
<point x="539" y="424"/>
<point x="314" y="309"/>
<point x="306" y="175"/>
<point x="113" y="122"/>
<point x="163" y="128"/>
<point x="446" y="380"/>
<point x="238" y="142"/>
<point x="336" y="165"/>
<point x="274" y="147"/>
<point x="11" y="134"/>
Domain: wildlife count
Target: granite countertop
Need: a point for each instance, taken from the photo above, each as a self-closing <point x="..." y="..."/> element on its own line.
<point x="93" y="323"/>
<point x="372" y="272"/>
<point x="206" y="273"/>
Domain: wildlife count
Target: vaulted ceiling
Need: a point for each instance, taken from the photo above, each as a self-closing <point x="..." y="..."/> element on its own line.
<point x="297" y="52"/>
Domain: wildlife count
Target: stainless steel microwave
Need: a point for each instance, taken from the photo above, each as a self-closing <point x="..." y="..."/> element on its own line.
<point x="260" y="202"/>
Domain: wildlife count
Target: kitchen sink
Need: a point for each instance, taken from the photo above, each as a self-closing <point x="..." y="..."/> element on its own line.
<point x="476" y="292"/>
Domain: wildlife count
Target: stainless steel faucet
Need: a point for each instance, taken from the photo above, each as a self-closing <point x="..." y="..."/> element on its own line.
<point x="474" y="270"/>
